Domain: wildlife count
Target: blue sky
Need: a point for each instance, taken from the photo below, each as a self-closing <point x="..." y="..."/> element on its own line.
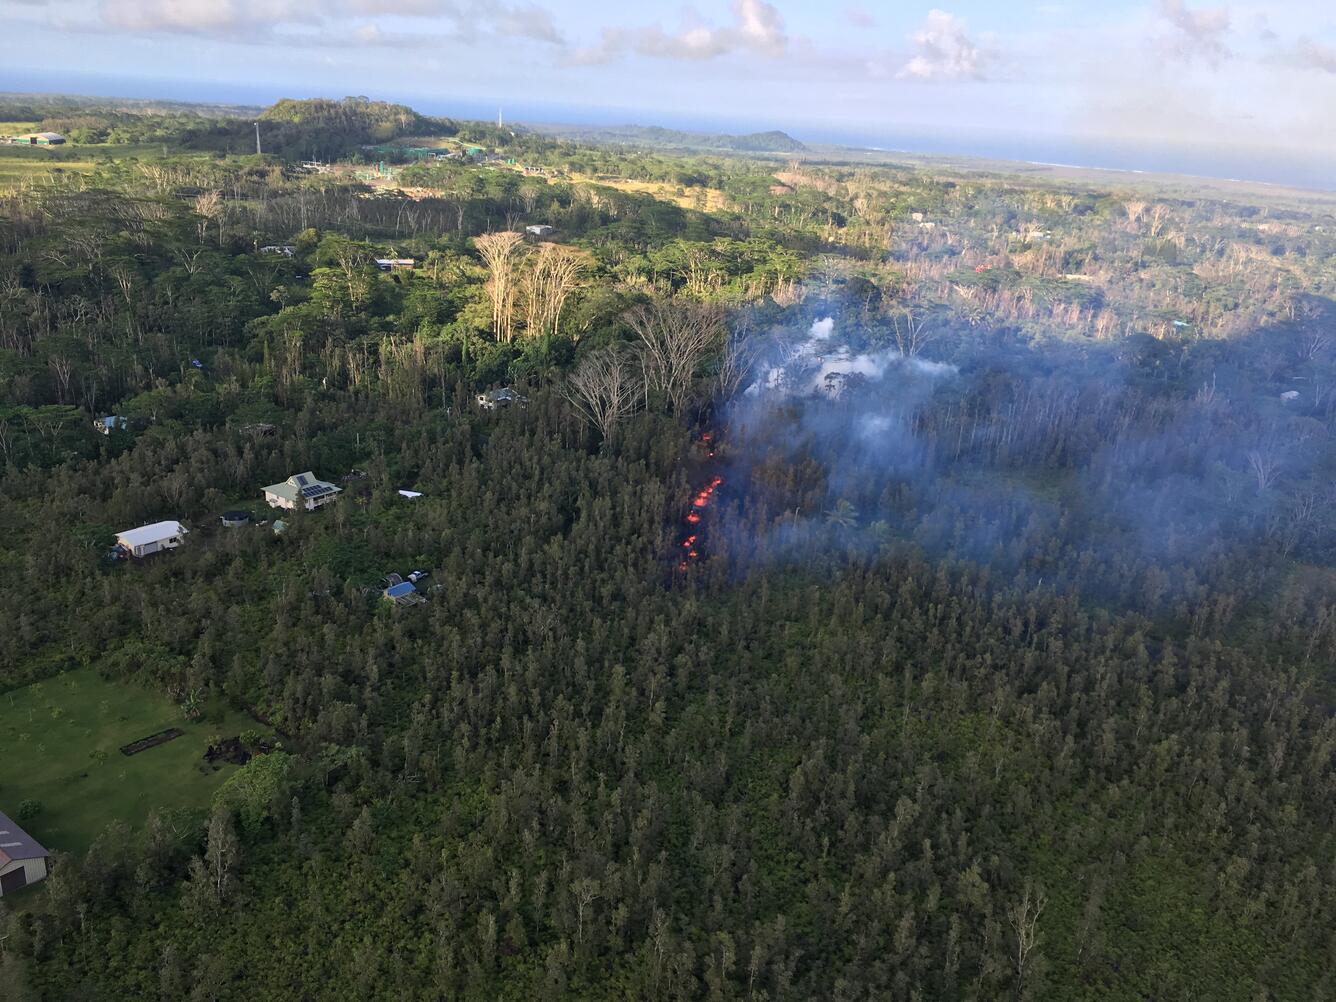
<point x="1247" y="75"/>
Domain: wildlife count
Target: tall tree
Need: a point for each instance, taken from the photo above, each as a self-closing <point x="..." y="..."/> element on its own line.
<point x="500" y="252"/>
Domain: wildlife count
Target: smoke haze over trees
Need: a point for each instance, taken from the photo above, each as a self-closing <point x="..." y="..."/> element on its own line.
<point x="1007" y="669"/>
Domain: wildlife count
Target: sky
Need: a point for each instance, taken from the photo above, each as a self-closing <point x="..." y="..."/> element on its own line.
<point x="1254" y="77"/>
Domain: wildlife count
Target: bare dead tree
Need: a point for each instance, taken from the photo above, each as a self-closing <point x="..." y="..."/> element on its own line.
<point x="605" y="388"/>
<point x="1266" y="464"/>
<point x="739" y="354"/>
<point x="1158" y="217"/>
<point x="209" y="207"/>
<point x="556" y="272"/>
<point x="500" y="253"/>
<point x="1023" y="917"/>
<point x="674" y="337"/>
<point x="911" y="330"/>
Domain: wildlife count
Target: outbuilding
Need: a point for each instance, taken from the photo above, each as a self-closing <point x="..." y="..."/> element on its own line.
<point x="149" y="539"/>
<point x="235" y="519"/>
<point x="112" y="422"/>
<point x="22" y="859"/>
<point x="312" y="492"/>
<point x="540" y="230"/>
<point x="37" y="139"/>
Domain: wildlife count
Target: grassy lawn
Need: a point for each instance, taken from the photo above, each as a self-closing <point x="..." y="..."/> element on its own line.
<point x="62" y="737"/>
<point x="19" y="165"/>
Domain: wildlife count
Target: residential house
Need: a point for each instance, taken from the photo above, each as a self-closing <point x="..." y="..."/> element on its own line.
<point x="148" y="539"/>
<point x="403" y="593"/>
<point x="22" y="859"/>
<point x="303" y="488"/>
<point x="287" y="250"/>
<point x="540" y="230"/>
<point x="395" y="263"/>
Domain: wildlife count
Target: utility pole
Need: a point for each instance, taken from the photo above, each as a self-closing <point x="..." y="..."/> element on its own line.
<point x="257" y="139"/>
<point x="499" y="123"/>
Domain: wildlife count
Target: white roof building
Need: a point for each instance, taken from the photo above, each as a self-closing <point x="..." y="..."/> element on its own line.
<point x="148" y="539"/>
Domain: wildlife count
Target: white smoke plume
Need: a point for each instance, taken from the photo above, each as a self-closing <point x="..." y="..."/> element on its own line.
<point x="817" y="367"/>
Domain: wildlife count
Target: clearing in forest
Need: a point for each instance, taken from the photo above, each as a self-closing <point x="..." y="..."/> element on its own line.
<point x="704" y="199"/>
<point x="62" y="740"/>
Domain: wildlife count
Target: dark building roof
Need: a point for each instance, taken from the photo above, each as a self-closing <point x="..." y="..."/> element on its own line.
<point x="16" y="844"/>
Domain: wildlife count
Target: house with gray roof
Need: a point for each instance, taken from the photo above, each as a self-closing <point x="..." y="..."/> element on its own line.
<point x="22" y="859"/>
<point x="304" y="488"/>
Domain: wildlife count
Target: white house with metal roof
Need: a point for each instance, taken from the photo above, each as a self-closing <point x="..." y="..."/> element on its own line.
<point x="148" y="539"/>
<point x="313" y="492"/>
<point x="22" y="860"/>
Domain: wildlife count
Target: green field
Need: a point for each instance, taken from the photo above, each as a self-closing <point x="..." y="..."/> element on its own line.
<point x="62" y="737"/>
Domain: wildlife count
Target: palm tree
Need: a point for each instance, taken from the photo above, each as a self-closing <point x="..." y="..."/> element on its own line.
<point x="844" y="514"/>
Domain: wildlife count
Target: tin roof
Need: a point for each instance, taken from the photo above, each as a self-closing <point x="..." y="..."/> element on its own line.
<point x="154" y="533"/>
<point x="15" y="843"/>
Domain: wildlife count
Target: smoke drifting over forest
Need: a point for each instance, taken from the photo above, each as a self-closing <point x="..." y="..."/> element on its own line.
<point x="1124" y="469"/>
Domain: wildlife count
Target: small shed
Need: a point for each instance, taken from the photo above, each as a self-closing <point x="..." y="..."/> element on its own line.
<point x="22" y="858"/>
<point x="540" y="230"/>
<point x="395" y="263"/>
<point x="235" y="519"/>
<point x="280" y="527"/>
<point x="112" y="422"/>
<point x="409" y="494"/>
<point x="149" y="539"/>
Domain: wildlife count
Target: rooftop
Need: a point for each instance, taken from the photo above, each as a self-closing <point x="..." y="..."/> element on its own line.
<point x="154" y="533"/>
<point x="15" y="843"/>
<point x="307" y="484"/>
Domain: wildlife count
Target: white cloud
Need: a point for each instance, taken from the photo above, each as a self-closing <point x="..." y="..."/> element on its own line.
<point x="757" y="27"/>
<point x="945" y="51"/>
<point x="860" y="17"/>
<point x="1197" y="32"/>
<point x="1313" y="55"/>
<point x="328" y="22"/>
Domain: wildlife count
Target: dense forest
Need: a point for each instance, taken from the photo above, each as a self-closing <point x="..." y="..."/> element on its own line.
<point x="997" y="661"/>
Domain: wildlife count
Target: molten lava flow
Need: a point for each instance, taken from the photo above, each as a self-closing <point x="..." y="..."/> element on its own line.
<point x="698" y="503"/>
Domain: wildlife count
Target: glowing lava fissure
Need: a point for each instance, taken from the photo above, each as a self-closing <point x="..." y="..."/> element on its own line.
<point x="701" y="500"/>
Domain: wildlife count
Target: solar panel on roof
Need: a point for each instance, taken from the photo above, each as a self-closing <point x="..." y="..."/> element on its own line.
<point x="301" y="479"/>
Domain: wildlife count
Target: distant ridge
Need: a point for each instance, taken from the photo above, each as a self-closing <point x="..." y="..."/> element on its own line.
<point x="773" y="141"/>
